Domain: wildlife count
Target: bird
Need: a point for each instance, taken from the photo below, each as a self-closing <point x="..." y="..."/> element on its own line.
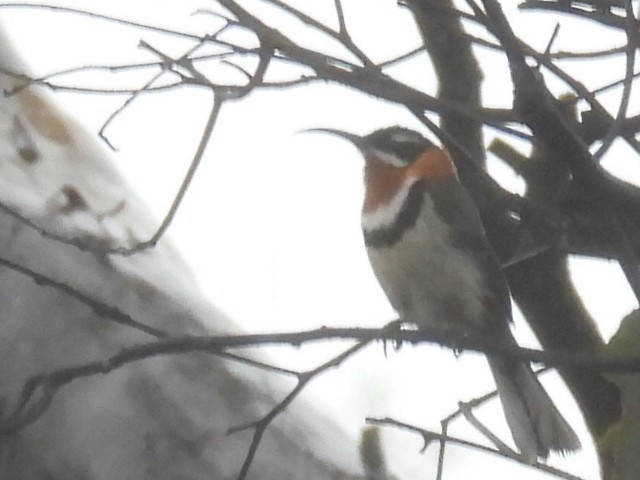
<point x="428" y="249"/>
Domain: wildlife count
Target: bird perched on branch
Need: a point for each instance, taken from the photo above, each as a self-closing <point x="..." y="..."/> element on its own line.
<point x="428" y="249"/>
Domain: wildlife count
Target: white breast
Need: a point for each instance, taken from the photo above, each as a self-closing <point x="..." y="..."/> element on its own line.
<point x="426" y="279"/>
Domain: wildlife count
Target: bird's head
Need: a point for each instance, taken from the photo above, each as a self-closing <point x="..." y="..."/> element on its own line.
<point x="399" y="164"/>
<point x="396" y="157"/>
<point x="400" y="148"/>
<point x="395" y="146"/>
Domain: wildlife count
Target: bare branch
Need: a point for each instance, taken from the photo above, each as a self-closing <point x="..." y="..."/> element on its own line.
<point x="608" y="18"/>
<point x="560" y="55"/>
<point x="554" y="35"/>
<point x="467" y="413"/>
<point x="98" y="16"/>
<point x="127" y="102"/>
<point x="342" y="35"/>
<point x="632" y="42"/>
<point x="101" y="309"/>
<point x="186" y="182"/>
<point x="260" y="426"/>
<point x="536" y="106"/>
<point x="509" y="454"/>
<point x="51" y="382"/>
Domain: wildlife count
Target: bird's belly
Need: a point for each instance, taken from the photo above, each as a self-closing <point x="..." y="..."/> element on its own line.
<point x="427" y="280"/>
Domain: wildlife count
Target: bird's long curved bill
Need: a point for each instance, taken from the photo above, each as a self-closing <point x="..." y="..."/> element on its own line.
<point x="352" y="137"/>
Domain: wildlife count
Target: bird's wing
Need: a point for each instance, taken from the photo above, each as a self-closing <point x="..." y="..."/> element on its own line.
<point x="456" y="207"/>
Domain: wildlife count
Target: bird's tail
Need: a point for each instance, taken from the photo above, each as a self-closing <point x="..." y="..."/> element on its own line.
<point x="535" y="423"/>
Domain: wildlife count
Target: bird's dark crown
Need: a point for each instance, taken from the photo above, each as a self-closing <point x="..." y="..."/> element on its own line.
<point x="402" y="143"/>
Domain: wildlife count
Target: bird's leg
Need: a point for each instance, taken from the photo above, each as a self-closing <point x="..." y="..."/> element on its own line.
<point x="392" y="327"/>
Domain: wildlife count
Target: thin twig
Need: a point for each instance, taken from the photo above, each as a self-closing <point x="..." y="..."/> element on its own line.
<point x="609" y="19"/>
<point x="444" y="434"/>
<point x="342" y="25"/>
<point x="401" y="58"/>
<point x="367" y="79"/>
<point x="547" y="50"/>
<point x="611" y="85"/>
<point x="345" y="36"/>
<point x="125" y="104"/>
<point x="257" y="364"/>
<point x="101" y="309"/>
<point x="341" y="35"/>
<point x="59" y="87"/>
<point x="260" y="426"/>
<point x="616" y="126"/>
<point x="166" y="64"/>
<point x="184" y="186"/>
<point x="45" y="80"/>
<point x="108" y="18"/>
<point x="214" y="344"/>
<point x="218" y="100"/>
<point x="509" y="454"/>
<point x="467" y="413"/>
<point x="462" y="410"/>
<point x="221" y="93"/>
<point x="561" y="55"/>
<point x="581" y="91"/>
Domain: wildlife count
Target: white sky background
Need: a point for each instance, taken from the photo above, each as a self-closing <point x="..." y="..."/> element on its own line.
<point x="271" y="223"/>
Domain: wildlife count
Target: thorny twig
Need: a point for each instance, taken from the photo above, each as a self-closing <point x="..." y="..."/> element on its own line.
<point x="51" y="382"/>
<point x="260" y="426"/>
<point x="102" y="309"/>
<point x="429" y="436"/>
<point x="166" y="64"/>
<point x="465" y="409"/>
